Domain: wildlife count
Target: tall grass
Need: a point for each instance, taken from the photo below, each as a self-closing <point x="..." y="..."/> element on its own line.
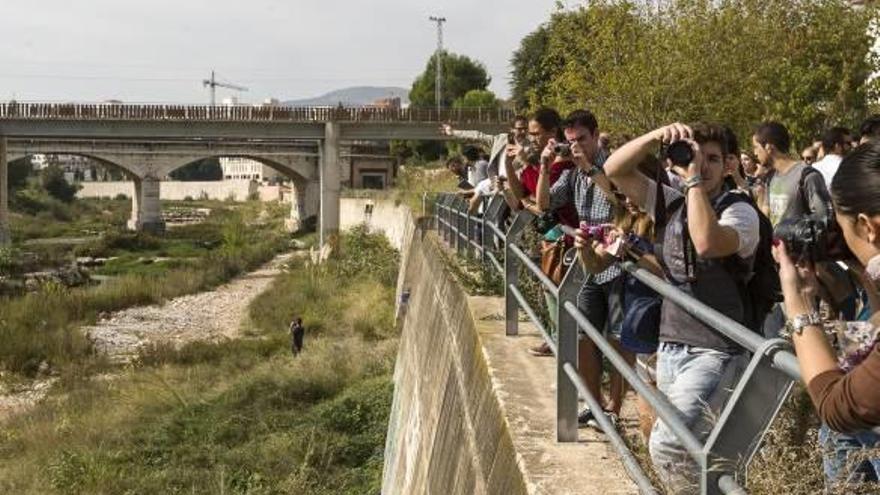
<point x="240" y="416"/>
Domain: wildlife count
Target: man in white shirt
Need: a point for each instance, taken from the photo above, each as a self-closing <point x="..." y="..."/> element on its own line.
<point x="835" y="145"/>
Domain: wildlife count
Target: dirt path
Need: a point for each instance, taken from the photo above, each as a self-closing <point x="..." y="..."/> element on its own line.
<point x="207" y="316"/>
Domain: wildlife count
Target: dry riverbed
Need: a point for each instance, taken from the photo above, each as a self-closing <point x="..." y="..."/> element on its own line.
<point x="207" y="316"/>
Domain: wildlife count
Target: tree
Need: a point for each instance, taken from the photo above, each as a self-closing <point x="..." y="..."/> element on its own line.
<point x="460" y="75"/>
<point x="203" y="170"/>
<point x="530" y="74"/>
<point x="18" y="173"/>
<point x="806" y="63"/>
<point x="53" y="181"/>
<point x="477" y="98"/>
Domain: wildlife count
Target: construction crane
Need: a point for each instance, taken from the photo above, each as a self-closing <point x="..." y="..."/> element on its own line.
<point x="213" y="83"/>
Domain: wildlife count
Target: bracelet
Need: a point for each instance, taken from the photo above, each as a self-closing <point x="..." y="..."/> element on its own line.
<point x="692" y="182"/>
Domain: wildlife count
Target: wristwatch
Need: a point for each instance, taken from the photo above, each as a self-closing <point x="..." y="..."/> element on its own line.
<point x="797" y="324"/>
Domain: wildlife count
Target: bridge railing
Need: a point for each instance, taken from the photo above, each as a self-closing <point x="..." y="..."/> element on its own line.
<point x="112" y="111"/>
<point x="724" y="456"/>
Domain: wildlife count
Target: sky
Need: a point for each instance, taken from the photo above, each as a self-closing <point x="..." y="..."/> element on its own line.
<point x="161" y="50"/>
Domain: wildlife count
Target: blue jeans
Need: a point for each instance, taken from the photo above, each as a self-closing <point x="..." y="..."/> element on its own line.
<point x="836" y="451"/>
<point x="697" y="382"/>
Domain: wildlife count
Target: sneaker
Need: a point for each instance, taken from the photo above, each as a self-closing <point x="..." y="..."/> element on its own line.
<point x="585" y="417"/>
<point x="542" y="350"/>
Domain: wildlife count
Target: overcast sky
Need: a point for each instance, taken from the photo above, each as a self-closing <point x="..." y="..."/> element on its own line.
<point x="160" y="50"/>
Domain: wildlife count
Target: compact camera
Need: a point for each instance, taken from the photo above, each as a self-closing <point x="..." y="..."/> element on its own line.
<point x="562" y="149"/>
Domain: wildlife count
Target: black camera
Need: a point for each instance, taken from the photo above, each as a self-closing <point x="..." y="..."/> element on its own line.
<point x="809" y="239"/>
<point x="679" y="153"/>
<point x="562" y="149"/>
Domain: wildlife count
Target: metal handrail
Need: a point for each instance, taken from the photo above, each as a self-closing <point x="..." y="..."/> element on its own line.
<point x="749" y="412"/>
<point x="152" y="112"/>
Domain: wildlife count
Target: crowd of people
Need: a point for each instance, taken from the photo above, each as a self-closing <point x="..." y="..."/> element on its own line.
<point x="786" y="244"/>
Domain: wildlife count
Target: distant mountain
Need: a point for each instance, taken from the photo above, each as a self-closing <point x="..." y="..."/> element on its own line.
<point x="353" y="97"/>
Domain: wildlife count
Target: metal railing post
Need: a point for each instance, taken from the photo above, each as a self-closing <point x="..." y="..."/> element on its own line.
<point x="567" y="353"/>
<point x="511" y="273"/>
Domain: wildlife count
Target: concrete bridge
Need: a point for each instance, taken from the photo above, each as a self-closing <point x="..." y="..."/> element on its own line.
<point x="148" y="142"/>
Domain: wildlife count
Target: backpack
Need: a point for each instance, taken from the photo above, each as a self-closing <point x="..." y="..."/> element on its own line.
<point x="758" y="281"/>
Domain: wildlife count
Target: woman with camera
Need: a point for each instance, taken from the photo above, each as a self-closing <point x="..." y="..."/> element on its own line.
<point x="630" y="236"/>
<point x="843" y="378"/>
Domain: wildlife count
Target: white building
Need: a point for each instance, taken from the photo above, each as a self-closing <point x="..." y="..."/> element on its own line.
<point x="235" y="168"/>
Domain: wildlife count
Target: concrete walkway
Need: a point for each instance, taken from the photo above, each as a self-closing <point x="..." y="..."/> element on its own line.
<point x="526" y="388"/>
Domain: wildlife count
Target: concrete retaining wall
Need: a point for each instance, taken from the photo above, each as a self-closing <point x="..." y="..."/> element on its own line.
<point x="238" y="190"/>
<point x="447" y="433"/>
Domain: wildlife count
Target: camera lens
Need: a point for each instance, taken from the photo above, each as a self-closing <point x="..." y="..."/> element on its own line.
<point x="680" y="153"/>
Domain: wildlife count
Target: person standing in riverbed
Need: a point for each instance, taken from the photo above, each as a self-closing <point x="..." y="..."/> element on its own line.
<point x="297" y="332"/>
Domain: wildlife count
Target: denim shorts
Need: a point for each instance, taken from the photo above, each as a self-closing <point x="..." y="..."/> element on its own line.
<point x="603" y="306"/>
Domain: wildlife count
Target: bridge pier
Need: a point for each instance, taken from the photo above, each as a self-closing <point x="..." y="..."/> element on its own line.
<point x="306" y="195"/>
<point x="5" y="238"/>
<point x="146" y="209"/>
<point x="331" y="185"/>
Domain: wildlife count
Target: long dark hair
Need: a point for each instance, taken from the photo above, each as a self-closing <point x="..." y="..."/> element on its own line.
<point x="856" y="185"/>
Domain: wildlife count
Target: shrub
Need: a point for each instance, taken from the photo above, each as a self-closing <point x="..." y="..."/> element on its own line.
<point x="53" y="181"/>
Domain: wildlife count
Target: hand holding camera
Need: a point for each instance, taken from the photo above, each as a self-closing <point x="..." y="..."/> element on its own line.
<point x="679" y="150"/>
<point x="548" y="154"/>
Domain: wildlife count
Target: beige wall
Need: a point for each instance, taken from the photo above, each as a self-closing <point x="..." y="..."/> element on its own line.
<point x="238" y="190"/>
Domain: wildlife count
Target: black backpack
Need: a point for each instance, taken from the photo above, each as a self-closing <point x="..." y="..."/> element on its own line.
<point x="758" y="281"/>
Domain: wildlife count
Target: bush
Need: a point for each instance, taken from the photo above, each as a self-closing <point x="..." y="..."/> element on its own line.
<point x="53" y="181"/>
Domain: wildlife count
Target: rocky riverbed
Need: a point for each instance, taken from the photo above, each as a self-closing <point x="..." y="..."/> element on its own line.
<point x="207" y="316"/>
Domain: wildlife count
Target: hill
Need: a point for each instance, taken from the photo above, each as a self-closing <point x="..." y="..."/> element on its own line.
<point x="353" y="97"/>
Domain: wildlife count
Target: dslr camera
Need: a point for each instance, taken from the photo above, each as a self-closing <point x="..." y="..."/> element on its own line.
<point x="679" y="153"/>
<point x="809" y="239"/>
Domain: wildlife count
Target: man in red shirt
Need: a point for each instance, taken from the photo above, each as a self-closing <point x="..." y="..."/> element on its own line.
<point x="544" y="125"/>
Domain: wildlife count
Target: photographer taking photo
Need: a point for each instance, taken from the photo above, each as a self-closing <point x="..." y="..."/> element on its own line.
<point x="844" y="379"/>
<point x="707" y="240"/>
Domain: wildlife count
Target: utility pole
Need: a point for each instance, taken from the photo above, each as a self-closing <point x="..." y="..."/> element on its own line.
<point x="438" y="84"/>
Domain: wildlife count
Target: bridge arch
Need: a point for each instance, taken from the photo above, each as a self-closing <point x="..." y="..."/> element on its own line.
<point x="107" y="161"/>
<point x="299" y="167"/>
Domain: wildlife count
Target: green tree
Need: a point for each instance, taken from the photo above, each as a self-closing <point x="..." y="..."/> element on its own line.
<point x="531" y="70"/>
<point x="202" y="170"/>
<point x="477" y="98"/>
<point x="19" y="172"/>
<point x="460" y="75"/>
<point x="806" y="63"/>
<point x="53" y="181"/>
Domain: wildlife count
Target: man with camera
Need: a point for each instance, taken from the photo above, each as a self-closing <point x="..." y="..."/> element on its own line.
<point x="799" y="207"/>
<point x="589" y="191"/>
<point x="707" y="239"/>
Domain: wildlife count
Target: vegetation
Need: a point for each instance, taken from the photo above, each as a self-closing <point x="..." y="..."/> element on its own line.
<point x="202" y="170"/>
<point x="477" y="98"/>
<point x="461" y="74"/>
<point x="53" y="181"/>
<point x="240" y="416"/>
<point x="807" y="63"/>
<point x="43" y="326"/>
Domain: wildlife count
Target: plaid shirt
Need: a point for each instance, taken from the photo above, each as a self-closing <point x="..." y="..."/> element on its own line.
<point x="591" y="203"/>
